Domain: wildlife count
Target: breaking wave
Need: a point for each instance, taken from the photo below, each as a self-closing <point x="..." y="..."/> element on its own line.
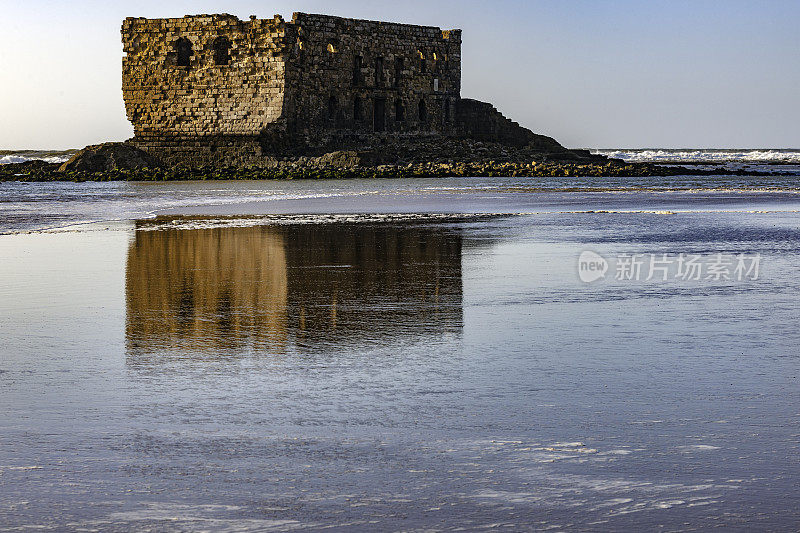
<point x="22" y="157"/>
<point x="786" y="156"/>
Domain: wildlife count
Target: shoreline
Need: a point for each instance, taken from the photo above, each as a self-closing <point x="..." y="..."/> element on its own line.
<point x="41" y="171"/>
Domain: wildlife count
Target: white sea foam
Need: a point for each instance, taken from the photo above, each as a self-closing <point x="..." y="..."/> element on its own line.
<point x="33" y="156"/>
<point x="278" y="220"/>
<point x="699" y="447"/>
<point x="692" y="155"/>
<point x="199" y="517"/>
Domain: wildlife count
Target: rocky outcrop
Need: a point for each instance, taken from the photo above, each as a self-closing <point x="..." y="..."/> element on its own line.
<point x="313" y="168"/>
<point x="481" y="121"/>
<point x="435" y="149"/>
<point x="108" y="157"/>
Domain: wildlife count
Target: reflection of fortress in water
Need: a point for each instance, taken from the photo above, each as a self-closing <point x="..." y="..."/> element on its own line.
<point x="267" y="288"/>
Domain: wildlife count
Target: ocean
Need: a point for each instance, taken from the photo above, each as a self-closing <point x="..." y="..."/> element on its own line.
<point x="427" y="354"/>
<point x="21" y="156"/>
<point x="780" y="156"/>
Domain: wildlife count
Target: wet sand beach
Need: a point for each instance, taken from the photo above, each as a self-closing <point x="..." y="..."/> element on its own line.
<point x="412" y="355"/>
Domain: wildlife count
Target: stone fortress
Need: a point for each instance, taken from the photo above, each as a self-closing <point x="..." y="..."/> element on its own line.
<point x="217" y="90"/>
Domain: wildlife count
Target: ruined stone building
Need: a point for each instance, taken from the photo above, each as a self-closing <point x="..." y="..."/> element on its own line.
<point x="208" y="88"/>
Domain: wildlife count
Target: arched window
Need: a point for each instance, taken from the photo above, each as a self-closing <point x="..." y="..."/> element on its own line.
<point x="358" y="109"/>
<point x="399" y="111"/>
<point x="423" y="112"/>
<point x="423" y="64"/>
<point x="222" y="48"/>
<point x="183" y="49"/>
<point x="332" y="105"/>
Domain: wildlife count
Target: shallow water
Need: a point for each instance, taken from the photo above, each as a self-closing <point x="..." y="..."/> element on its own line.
<point x="37" y="206"/>
<point x="363" y="371"/>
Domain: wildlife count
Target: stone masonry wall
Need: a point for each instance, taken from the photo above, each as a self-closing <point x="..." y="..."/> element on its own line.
<point x="212" y="88"/>
<point x="211" y="104"/>
<point x="201" y="98"/>
<point x="348" y="76"/>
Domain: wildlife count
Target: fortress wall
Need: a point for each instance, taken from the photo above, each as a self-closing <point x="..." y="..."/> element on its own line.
<point x="399" y="65"/>
<point x="312" y="85"/>
<point x="166" y="99"/>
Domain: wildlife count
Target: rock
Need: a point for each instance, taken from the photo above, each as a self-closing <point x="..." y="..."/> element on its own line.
<point x="347" y="159"/>
<point x="341" y="159"/>
<point x="109" y="156"/>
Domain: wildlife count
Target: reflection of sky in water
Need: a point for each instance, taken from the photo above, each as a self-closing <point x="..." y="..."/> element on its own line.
<point x="397" y="375"/>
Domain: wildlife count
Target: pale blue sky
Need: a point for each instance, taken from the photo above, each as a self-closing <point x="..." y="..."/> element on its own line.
<point x="623" y="73"/>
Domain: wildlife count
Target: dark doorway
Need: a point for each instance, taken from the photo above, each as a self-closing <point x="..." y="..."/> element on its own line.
<point x="378" y="72"/>
<point x="358" y="110"/>
<point x="358" y="64"/>
<point x="399" y="111"/>
<point x="332" y="107"/>
<point x="398" y="71"/>
<point x="379" y="114"/>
